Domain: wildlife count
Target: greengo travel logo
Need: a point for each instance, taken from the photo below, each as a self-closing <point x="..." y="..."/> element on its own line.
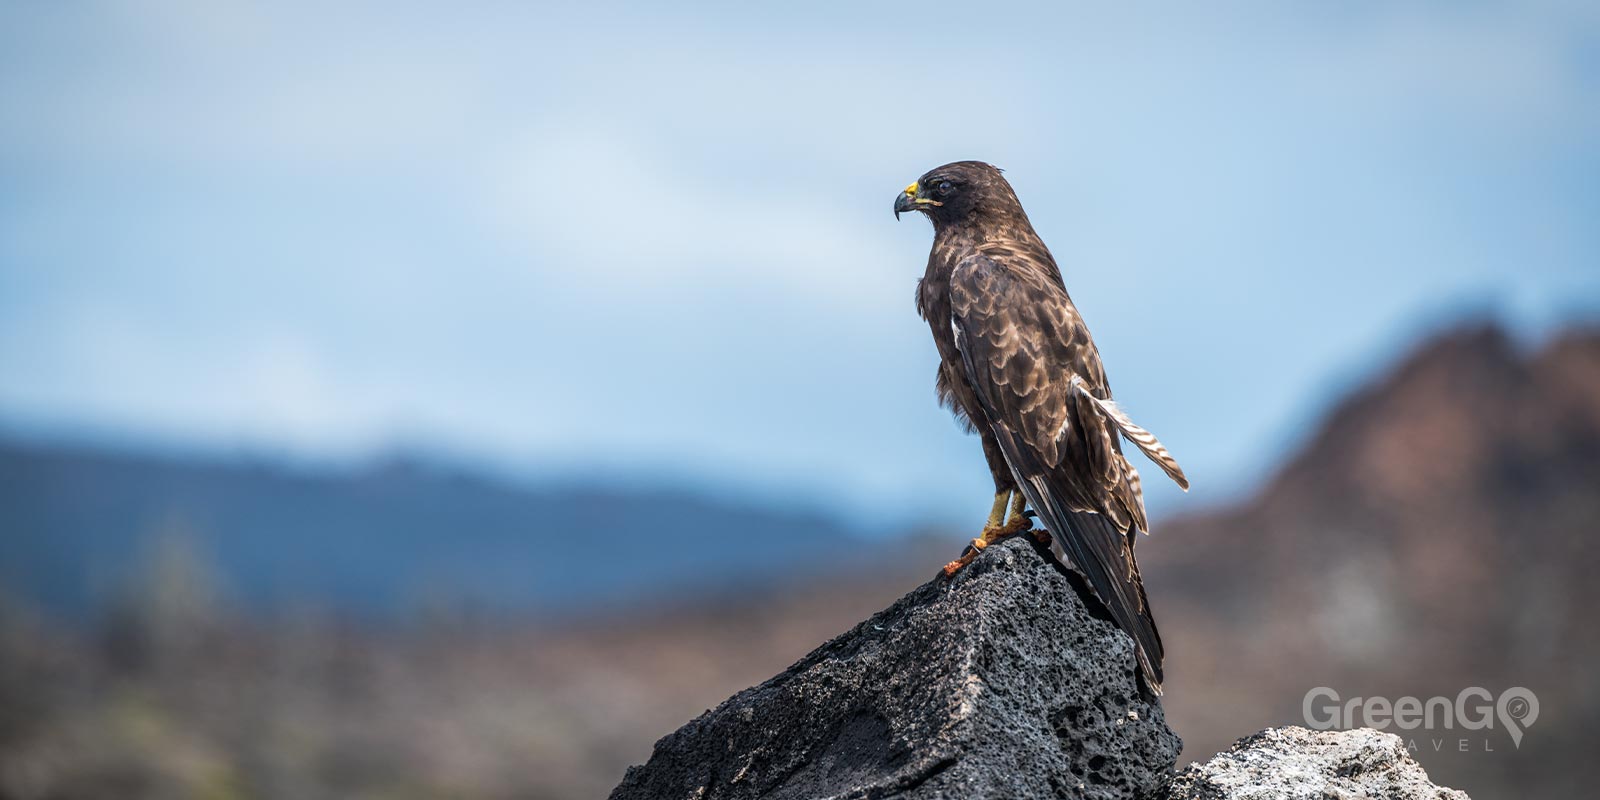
<point x="1472" y="709"/>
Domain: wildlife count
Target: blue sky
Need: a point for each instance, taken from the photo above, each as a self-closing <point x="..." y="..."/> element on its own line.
<point x="636" y="243"/>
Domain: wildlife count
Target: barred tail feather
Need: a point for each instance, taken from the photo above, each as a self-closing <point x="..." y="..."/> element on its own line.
<point x="1141" y="438"/>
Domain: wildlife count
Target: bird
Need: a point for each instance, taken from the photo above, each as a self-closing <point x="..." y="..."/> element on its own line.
<point x="1018" y="366"/>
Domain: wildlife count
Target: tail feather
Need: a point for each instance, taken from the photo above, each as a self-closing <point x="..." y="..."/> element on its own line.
<point x="1141" y="438"/>
<point x="1076" y="538"/>
<point x="1104" y="554"/>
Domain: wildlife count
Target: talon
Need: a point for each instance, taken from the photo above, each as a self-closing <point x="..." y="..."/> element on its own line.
<point x="966" y="558"/>
<point x="997" y="529"/>
<point x="955" y="566"/>
<point x="1041" y="536"/>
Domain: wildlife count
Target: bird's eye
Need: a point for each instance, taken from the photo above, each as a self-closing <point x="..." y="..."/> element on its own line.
<point x="945" y="187"/>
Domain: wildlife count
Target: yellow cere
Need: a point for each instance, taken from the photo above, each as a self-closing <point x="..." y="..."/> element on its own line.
<point x="911" y="191"/>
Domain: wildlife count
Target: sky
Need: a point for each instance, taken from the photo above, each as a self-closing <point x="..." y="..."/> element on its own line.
<point x="634" y="243"/>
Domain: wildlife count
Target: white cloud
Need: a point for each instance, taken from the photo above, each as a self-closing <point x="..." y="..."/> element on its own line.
<point x="594" y="208"/>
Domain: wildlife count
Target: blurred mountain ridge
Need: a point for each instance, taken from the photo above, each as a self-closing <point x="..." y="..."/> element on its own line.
<point x="376" y="541"/>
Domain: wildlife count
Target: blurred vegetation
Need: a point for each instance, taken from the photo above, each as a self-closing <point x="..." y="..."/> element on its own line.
<point x="172" y="693"/>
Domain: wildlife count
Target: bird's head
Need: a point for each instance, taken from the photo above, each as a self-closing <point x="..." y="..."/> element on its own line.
<point x="958" y="193"/>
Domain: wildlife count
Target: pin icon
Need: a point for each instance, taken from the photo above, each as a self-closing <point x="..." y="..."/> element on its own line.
<point x="1517" y="708"/>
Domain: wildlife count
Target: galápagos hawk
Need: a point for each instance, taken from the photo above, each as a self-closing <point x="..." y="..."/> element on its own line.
<point x="1017" y="365"/>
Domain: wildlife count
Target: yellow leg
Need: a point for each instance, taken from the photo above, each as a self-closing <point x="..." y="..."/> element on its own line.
<point x="997" y="521"/>
<point x="997" y="514"/>
<point x="991" y="531"/>
<point x="1019" y="521"/>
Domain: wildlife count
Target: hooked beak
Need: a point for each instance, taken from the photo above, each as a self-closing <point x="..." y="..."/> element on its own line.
<point x="906" y="200"/>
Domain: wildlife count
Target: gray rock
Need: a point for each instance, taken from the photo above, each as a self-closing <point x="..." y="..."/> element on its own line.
<point x="1293" y="763"/>
<point x="999" y="683"/>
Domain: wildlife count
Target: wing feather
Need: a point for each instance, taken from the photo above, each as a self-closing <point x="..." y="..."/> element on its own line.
<point x="1025" y="352"/>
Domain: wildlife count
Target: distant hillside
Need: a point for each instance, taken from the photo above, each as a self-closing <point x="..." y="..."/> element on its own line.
<point x="1439" y="531"/>
<point x="380" y="542"/>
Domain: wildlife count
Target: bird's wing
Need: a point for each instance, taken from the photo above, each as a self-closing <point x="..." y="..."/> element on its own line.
<point x="1028" y="356"/>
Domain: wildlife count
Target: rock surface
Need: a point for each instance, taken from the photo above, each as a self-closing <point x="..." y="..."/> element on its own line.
<point x="999" y="683"/>
<point x="1293" y="763"/>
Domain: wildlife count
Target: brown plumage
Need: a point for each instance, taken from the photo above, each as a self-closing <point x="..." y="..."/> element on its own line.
<point x="1017" y="365"/>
